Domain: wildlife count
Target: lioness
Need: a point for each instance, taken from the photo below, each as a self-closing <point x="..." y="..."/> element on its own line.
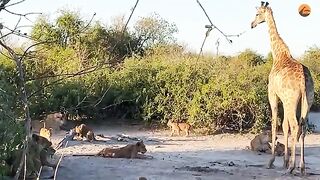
<point x="39" y="151"/>
<point x="177" y="127"/>
<point x="84" y="131"/>
<point x="260" y="143"/>
<point x="130" y="151"/>
<point x="54" y="121"/>
<point x="47" y="150"/>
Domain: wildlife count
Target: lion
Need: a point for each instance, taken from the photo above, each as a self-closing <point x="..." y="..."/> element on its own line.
<point x="84" y="131"/>
<point x="280" y="148"/>
<point x="177" y="127"/>
<point x="90" y="136"/>
<point x="39" y="151"/>
<point x="54" y="121"/>
<point x="130" y="151"/>
<point x="260" y="143"/>
<point x="47" y="133"/>
<point x="47" y="150"/>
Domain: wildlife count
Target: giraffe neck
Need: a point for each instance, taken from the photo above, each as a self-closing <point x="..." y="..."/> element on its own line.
<point x="279" y="49"/>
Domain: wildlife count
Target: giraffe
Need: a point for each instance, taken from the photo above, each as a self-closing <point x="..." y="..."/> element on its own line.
<point x="292" y="84"/>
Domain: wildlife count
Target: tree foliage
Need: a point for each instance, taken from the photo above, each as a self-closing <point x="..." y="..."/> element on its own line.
<point x="11" y="132"/>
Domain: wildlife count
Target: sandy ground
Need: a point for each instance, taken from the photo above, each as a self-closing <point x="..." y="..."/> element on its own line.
<point x="195" y="157"/>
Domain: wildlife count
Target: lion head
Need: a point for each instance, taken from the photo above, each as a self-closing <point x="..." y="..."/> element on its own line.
<point x="141" y="147"/>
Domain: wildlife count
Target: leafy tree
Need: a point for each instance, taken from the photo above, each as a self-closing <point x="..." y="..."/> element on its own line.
<point x="154" y="30"/>
<point x="311" y="60"/>
<point x="252" y="58"/>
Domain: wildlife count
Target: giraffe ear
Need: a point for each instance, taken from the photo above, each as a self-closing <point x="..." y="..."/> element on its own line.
<point x="266" y="4"/>
<point x="262" y="3"/>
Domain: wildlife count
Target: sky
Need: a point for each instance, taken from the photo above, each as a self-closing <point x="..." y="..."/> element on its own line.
<point x="231" y="16"/>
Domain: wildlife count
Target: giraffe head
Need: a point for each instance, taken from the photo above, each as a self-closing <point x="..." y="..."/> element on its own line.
<point x="260" y="15"/>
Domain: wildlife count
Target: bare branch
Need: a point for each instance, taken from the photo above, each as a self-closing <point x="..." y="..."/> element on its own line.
<point x="23" y="15"/>
<point x="25" y="104"/>
<point x="125" y="26"/>
<point x="204" y="40"/>
<point x="88" y="24"/>
<point x="122" y="101"/>
<point x="215" y="27"/>
<point x="3" y="4"/>
<point x="14" y="3"/>
<point x="102" y="97"/>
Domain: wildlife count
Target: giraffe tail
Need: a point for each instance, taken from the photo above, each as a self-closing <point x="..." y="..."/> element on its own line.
<point x="305" y="106"/>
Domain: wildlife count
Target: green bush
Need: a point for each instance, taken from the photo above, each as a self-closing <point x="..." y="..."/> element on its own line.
<point x="11" y="131"/>
<point x="222" y="95"/>
<point x="311" y="59"/>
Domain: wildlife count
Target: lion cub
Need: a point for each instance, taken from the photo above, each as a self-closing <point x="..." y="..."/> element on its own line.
<point x="280" y="148"/>
<point x="260" y="143"/>
<point x="177" y="127"/>
<point x="84" y="131"/>
<point x="46" y="133"/>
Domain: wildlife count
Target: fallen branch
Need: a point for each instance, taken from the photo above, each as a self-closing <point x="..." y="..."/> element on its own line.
<point x="124" y="136"/>
<point x="39" y="174"/>
<point x="68" y="137"/>
<point x="57" y="167"/>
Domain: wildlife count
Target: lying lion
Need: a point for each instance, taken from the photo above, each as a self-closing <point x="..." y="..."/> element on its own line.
<point x="130" y="151"/>
<point x="177" y="127"/>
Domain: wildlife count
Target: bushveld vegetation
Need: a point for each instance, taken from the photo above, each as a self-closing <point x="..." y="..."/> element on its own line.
<point x="104" y="73"/>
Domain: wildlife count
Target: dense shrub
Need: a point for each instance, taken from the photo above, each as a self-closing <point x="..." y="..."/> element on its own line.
<point x="11" y="132"/>
<point x="311" y="59"/>
<point x="228" y="95"/>
<point x="222" y="93"/>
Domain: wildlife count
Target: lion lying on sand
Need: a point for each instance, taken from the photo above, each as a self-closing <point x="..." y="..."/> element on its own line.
<point x="130" y="151"/>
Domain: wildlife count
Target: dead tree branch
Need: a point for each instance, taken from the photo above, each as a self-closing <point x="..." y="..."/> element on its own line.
<point x="125" y="26"/>
<point x="25" y="103"/>
<point x="215" y="27"/>
<point x="211" y="27"/>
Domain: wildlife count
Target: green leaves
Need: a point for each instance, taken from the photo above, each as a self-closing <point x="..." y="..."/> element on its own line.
<point x="11" y="132"/>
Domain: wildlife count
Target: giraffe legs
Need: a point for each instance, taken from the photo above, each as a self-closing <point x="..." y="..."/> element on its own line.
<point x="294" y="127"/>
<point x="303" y="133"/>
<point x="303" y="128"/>
<point x="285" y="129"/>
<point x="273" y="100"/>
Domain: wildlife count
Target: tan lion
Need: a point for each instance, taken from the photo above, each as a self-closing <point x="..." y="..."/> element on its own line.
<point x="84" y="131"/>
<point x="177" y="127"/>
<point x="260" y="143"/>
<point x="54" y="121"/>
<point x="39" y="151"/>
<point x="280" y="149"/>
<point x="47" y="150"/>
<point x="47" y="133"/>
<point x="130" y="151"/>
